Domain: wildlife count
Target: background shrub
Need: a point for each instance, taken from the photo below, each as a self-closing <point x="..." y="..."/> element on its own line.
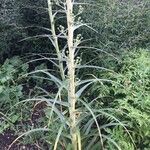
<point x="120" y="24"/>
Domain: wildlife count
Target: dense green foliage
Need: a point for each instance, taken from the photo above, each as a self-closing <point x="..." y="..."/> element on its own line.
<point x="119" y="102"/>
<point x="11" y="91"/>
<point x="133" y="98"/>
<point x="120" y="24"/>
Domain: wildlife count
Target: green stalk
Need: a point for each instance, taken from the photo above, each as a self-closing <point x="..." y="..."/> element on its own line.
<point x="71" y="74"/>
<point x="55" y="39"/>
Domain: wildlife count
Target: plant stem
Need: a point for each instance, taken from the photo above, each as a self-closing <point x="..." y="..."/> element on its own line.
<point x="55" y="39"/>
<point x="71" y="74"/>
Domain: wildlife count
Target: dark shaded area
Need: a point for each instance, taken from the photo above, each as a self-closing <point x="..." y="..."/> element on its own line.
<point x="8" y="137"/>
